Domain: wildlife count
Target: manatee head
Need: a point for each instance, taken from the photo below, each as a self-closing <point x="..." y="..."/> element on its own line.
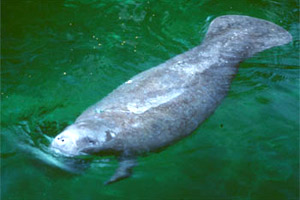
<point x="77" y="137"/>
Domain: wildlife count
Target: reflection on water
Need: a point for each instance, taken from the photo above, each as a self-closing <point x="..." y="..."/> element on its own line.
<point x="59" y="57"/>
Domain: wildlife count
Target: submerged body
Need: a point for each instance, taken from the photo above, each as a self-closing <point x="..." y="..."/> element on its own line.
<point x="166" y="103"/>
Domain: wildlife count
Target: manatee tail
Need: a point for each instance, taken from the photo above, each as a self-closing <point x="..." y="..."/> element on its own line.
<point x="243" y="36"/>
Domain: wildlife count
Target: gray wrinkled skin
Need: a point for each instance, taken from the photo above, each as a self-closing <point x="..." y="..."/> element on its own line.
<point x="166" y="103"/>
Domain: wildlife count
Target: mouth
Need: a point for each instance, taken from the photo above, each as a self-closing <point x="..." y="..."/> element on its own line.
<point x="56" y="149"/>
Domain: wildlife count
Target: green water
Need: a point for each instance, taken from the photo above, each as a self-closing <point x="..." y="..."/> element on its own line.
<point x="59" y="57"/>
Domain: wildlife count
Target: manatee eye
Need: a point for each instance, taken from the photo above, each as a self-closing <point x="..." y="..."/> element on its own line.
<point x="109" y="135"/>
<point x="91" y="141"/>
<point x="86" y="140"/>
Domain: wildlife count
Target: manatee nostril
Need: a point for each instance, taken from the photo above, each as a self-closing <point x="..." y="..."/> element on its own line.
<point x="60" y="139"/>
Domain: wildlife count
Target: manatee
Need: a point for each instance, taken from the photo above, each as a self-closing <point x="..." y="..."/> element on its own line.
<point x="166" y="103"/>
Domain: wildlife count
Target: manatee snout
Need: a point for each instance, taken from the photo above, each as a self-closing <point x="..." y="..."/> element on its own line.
<point x="75" y="140"/>
<point x="63" y="144"/>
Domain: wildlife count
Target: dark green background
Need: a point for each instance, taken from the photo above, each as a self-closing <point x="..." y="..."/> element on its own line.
<point x="59" y="57"/>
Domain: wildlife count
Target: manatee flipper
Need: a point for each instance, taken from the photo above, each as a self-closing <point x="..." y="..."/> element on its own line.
<point x="124" y="170"/>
